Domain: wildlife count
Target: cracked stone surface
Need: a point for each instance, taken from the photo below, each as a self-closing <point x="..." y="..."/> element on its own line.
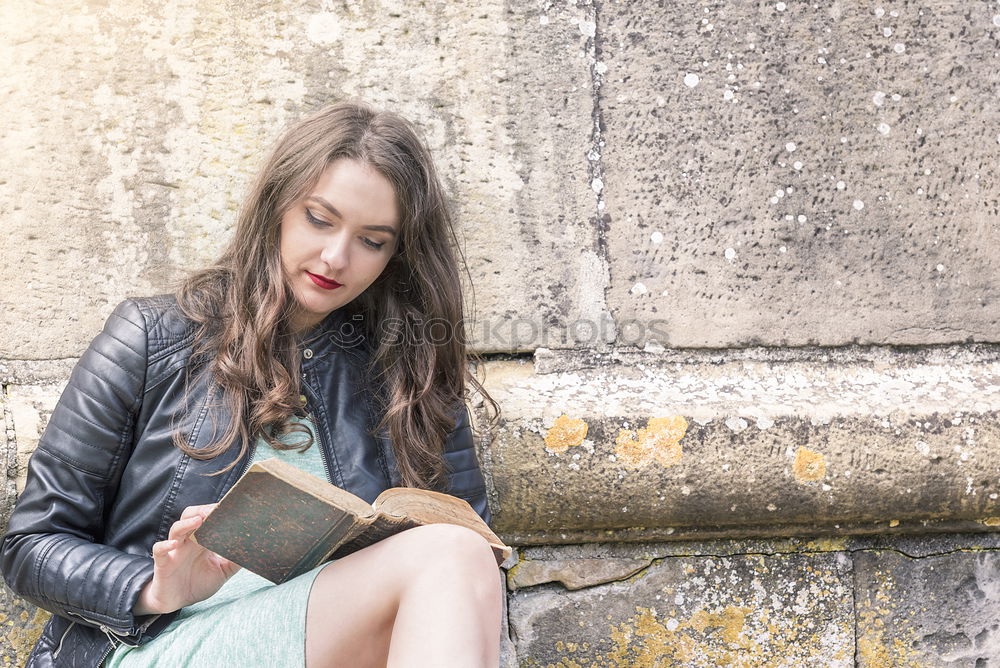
<point x="747" y="610"/>
<point x="939" y="611"/>
<point x="573" y="573"/>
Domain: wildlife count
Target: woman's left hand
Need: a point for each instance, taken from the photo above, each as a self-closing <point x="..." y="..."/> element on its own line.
<point x="184" y="572"/>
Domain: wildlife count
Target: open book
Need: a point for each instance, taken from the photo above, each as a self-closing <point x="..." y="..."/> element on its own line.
<point x="279" y="522"/>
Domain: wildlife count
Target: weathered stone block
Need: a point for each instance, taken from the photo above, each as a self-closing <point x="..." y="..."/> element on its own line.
<point x="729" y="447"/>
<point x="573" y="573"/>
<point x="742" y="610"/>
<point x="940" y="611"/>
<point x="136" y="127"/>
<point x="30" y="407"/>
<point x="801" y="173"/>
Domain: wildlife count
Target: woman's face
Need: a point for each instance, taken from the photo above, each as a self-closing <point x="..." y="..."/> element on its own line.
<point x="337" y="240"/>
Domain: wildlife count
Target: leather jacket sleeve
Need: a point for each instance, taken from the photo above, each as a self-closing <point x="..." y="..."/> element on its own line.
<point x="52" y="554"/>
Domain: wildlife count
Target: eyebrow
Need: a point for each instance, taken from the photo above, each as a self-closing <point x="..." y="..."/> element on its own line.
<point x="332" y="209"/>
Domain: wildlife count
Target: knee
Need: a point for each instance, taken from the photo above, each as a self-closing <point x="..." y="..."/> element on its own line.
<point x="458" y="555"/>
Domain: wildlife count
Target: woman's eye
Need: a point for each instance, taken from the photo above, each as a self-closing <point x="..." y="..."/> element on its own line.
<point x="314" y="220"/>
<point x="319" y="222"/>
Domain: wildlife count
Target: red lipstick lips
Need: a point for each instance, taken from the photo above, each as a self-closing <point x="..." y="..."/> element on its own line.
<point x="323" y="282"/>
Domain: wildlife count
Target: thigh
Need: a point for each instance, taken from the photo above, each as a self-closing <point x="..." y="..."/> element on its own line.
<point x="354" y="600"/>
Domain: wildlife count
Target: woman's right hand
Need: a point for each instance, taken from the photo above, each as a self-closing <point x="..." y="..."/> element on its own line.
<point x="184" y="572"/>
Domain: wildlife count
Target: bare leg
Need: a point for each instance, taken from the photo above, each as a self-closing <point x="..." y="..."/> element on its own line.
<point x="425" y="597"/>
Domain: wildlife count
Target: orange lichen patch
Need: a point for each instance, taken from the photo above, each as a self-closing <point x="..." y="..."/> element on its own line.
<point x="648" y="642"/>
<point x="22" y="635"/>
<point x="730" y="621"/>
<point x="659" y="440"/>
<point x="809" y="466"/>
<point x="992" y="521"/>
<point x="564" y="433"/>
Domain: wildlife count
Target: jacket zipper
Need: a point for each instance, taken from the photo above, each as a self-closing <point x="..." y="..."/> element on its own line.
<point x="319" y="438"/>
<point x="55" y="654"/>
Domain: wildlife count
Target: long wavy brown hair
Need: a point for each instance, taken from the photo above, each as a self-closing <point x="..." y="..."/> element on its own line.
<point x="419" y="370"/>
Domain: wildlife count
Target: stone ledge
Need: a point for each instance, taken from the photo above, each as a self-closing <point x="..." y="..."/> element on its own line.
<point x="710" y="447"/>
<point x="844" y="601"/>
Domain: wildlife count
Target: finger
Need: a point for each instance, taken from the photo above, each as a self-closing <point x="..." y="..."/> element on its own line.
<point x="163" y="548"/>
<point x="181" y="529"/>
<point x="202" y="510"/>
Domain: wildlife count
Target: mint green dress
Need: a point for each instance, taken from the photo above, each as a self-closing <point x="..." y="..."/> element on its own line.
<point x="250" y="621"/>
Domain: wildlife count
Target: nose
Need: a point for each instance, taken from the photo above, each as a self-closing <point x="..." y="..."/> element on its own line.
<point x="336" y="251"/>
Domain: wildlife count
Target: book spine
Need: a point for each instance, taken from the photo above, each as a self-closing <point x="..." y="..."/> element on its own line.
<point x="324" y="546"/>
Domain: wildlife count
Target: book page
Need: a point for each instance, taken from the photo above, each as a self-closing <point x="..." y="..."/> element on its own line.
<point x="427" y="507"/>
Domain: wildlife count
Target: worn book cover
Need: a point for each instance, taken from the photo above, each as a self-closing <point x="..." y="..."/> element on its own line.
<point x="279" y="521"/>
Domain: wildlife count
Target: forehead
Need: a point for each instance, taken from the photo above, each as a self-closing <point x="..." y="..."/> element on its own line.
<point x="358" y="193"/>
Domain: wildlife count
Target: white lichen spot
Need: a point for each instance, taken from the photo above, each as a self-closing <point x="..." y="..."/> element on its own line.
<point x="639" y="289"/>
<point x="801" y="218"/>
<point x="601" y="68"/>
<point x="730" y="254"/>
<point x="878" y="98"/>
<point x="790" y="146"/>
<point x="737" y="424"/>
<point x="587" y="28"/>
<point x="996" y="20"/>
<point x="656" y="237"/>
<point x="685" y="490"/>
<point x="779" y="193"/>
<point x="887" y="32"/>
<point x="858" y="204"/>
<point x="764" y="422"/>
<point x="597" y="185"/>
<point x="879" y="12"/>
<point x="883" y="128"/>
<point x="772" y="507"/>
<point x="783" y="249"/>
<point x="654" y="346"/>
<point x="780" y="6"/>
<point x="797" y="164"/>
<point x="896" y="97"/>
<point x="543" y="19"/>
<point x="899" y="47"/>
<point x="940" y="268"/>
<point x="923" y="448"/>
<point x="727" y="95"/>
<point x="323" y="28"/>
<point x="841" y="185"/>
<point x="672" y="624"/>
<point x="691" y="79"/>
<point x="679" y="599"/>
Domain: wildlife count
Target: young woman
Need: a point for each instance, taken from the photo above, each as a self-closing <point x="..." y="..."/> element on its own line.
<point x="329" y="334"/>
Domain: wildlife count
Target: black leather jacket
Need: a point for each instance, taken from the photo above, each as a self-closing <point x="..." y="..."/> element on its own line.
<point x="106" y="481"/>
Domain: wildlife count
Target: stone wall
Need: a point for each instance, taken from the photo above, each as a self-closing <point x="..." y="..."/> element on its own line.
<point x="736" y="286"/>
